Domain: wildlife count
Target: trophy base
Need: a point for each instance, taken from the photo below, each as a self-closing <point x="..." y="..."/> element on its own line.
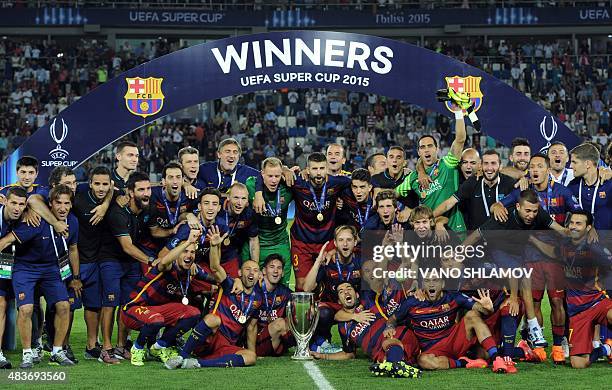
<point x="303" y="358"/>
<point x="302" y="353"/>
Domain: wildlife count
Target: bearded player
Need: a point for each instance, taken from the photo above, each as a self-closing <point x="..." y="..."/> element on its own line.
<point x="273" y="336"/>
<point x="443" y="338"/>
<point x="327" y="274"/>
<point x="391" y="353"/>
<point x="315" y="213"/>
<point x="160" y="301"/>
<point x="215" y="339"/>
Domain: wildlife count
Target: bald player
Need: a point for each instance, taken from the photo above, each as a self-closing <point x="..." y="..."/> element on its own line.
<point x="470" y="164"/>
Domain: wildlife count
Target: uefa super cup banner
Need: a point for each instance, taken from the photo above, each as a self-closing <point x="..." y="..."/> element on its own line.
<point x="269" y="61"/>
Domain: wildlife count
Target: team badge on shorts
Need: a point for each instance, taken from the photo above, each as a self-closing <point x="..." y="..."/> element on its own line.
<point x="144" y="97"/>
<point x="469" y="85"/>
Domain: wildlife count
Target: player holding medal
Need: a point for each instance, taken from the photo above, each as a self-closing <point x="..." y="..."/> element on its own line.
<point x="315" y="213"/>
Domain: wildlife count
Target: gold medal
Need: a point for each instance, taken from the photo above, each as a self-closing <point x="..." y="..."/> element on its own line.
<point x="320" y="217"/>
<point x="278" y="220"/>
<point x="226" y="242"/>
<point x="185" y="301"/>
<point x="242" y="319"/>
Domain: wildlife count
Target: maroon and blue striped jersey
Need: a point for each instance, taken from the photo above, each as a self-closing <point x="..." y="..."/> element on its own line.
<point x="241" y="228"/>
<point x="160" y="287"/>
<point x="354" y="213"/>
<point x="387" y="302"/>
<point x="231" y="308"/>
<point x="202" y="254"/>
<point x="582" y="266"/>
<point x="335" y="272"/>
<point x="433" y="321"/>
<point x="274" y="303"/>
<point x="164" y="213"/>
<point x="369" y="336"/>
<point x="306" y="228"/>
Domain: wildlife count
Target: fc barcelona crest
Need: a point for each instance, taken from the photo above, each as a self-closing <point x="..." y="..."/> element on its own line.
<point x="144" y="97"/>
<point x="469" y="85"/>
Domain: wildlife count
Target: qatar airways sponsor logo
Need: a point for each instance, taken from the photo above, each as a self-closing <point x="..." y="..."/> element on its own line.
<point x="436" y="323"/>
<point x="358" y="330"/>
<point x="268" y="315"/>
<point x="312" y="206"/>
<point x="392" y="306"/>
<point x="236" y="312"/>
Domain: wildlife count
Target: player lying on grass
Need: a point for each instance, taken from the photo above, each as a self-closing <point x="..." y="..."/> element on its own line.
<point x="444" y="341"/>
<point x="390" y="352"/>
<point x="160" y="301"/>
<point x="215" y="340"/>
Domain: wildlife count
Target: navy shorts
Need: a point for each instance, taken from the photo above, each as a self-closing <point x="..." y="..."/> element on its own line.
<point x="118" y="279"/>
<point x="6" y="288"/>
<point x="26" y="277"/>
<point x="91" y="294"/>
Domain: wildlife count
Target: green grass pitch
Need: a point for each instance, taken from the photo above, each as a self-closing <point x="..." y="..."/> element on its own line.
<point x="283" y="373"/>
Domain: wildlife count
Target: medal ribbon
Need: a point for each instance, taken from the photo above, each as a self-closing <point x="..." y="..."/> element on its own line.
<point x="321" y="203"/>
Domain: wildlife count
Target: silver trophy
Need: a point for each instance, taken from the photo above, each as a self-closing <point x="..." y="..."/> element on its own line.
<point x="302" y="316"/>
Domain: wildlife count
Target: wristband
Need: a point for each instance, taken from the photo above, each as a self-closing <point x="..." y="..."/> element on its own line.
<point x="458" y="114"/>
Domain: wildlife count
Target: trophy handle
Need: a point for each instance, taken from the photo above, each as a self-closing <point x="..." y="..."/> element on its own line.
<point x="290" y="318"/>
<point x="315" y="309"/>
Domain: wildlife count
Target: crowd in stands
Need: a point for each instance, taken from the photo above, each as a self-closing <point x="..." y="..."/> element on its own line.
<point x="38" y="79"/>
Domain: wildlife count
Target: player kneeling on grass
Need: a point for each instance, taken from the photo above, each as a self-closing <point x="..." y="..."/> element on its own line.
<point x="215" y="339"/>
<point x="160" y="301"/>
<point x="586" y="265"/>
<point x="273" y="335"/>
<point x="391" y="352"/>
<point x="444" y="341"/>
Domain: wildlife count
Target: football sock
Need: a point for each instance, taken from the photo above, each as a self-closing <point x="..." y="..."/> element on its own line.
<point x="456" y="363"/>
<point x="55" y="350"/>
<point x="27" y="350"/>
<point x="604" y="333"/>
<point x="558" y="333"/>
<point x="602" y="351"/>
<point x="326" y="321"/>
<point x="517" y="353"/>
<point x="159" y="344"/>
<point x="532" y="323"/>
<point x="49" y="324"/>
<point x="395" y="353"/>
<point x="199" y="334"/>
<point x="232" y="360"/>
<point x="490" y="346"/>
<point x="147" y="332"/>
<point x="183" y="325"/>
<point x="508" y="328"/>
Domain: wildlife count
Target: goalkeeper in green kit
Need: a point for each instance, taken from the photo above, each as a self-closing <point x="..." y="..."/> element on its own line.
<point x="438" y="179"/>
<point x="273" y="235"/>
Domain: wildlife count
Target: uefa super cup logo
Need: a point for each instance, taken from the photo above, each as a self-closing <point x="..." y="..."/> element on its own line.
<point x="544" y="132"/>
<point x="58" y="153"/>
